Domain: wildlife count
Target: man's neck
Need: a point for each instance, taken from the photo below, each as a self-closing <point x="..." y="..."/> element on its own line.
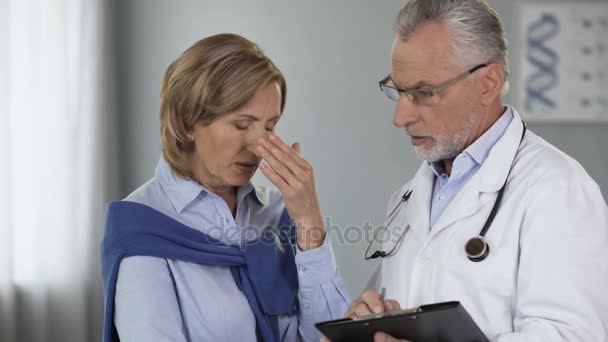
<point x="447" y="166"/>
<point x="489" y="122"/>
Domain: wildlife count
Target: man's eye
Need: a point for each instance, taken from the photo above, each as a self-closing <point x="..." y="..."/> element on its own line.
<point x="423" y="93"/>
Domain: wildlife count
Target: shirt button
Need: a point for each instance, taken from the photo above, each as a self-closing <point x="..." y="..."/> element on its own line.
<point x="302" y="268"/>
<point x="443" y="196"/>
<point x="307" y="306"/>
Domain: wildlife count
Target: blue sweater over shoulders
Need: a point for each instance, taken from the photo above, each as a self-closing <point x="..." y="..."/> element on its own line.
<point x="263" y="269"/>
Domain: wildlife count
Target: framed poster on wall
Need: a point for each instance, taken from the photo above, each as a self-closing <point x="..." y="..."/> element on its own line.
<point x="563" y="64"/>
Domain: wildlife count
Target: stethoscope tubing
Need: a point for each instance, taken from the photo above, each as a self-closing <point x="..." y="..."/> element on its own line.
<point x="477" y="248"/>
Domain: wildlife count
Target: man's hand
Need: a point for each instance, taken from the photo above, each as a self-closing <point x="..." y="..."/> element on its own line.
<point x="378" y="337"/>
<point x="370" y="303"/>
<point x="382" y="337"/>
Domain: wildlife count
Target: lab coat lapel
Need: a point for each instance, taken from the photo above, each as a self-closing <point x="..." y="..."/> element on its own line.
<point x="464" y="204"/>
<point x="418" y="207"/>
<point x="488" y="180"/>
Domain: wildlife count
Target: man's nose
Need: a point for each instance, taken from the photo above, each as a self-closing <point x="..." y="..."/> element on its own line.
<point x="405" y="113"/>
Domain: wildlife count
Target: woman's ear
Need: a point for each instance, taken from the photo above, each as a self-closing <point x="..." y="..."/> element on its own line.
<point x="190" y="133"/>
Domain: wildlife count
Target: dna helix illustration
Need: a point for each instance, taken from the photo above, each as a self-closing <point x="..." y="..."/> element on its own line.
<point x="545" y="61"/>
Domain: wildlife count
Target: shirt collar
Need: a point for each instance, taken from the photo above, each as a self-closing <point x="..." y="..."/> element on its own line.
<point x="478" y="151"/>
<point x="259" y="194"/>
<point x="183" y="191"/>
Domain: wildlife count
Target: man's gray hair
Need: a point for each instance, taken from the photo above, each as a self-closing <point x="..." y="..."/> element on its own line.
<point x="477" y="34"/>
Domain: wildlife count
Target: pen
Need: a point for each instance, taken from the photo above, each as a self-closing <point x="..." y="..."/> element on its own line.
<point x="382" y="293"/>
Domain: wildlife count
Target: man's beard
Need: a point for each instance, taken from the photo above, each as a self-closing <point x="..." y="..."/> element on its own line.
<point x="447" y="147"/>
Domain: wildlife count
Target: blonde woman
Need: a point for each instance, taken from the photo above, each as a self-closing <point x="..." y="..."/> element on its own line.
<point x="198" y="253"/>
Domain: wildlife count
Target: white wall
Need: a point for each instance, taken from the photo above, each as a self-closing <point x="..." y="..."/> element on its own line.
<point x="332" y="53"/>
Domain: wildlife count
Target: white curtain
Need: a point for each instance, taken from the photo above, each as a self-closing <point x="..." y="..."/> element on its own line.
<point x="57" y="133"/>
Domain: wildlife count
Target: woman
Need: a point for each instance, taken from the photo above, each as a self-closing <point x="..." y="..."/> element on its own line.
<point x="187" y="257"/>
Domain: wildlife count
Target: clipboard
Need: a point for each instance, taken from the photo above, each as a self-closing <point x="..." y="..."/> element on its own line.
<point x="440" y="322"/>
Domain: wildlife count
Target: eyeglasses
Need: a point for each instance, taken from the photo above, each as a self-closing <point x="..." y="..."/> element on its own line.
<point x="424" y="95"/>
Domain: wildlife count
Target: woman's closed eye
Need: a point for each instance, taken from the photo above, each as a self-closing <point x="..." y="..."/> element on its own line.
<point x="270" y="126"/>
<point x="242" y="125"/>
<point x="247" y="124"/>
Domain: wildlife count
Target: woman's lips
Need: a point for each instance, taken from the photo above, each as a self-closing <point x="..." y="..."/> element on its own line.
<point x="247" y="167"/>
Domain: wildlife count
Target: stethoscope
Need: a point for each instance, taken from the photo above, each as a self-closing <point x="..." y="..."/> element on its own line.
<point x="476" y="248"/>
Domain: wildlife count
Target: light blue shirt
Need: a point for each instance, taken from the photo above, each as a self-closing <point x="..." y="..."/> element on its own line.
<point x="464" y="167"/>
<point x="171" y="300"/>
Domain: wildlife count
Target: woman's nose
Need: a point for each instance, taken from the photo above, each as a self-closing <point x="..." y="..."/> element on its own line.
<point x="253" y="140"/>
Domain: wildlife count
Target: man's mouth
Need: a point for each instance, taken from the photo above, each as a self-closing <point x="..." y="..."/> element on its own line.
<point x="418" y="140"/>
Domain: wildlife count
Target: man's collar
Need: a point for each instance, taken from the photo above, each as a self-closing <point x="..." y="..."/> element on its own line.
<point x="478" y="151"/>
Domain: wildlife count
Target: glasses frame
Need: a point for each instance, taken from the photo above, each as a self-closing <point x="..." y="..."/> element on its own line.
<point x="426" y="90"/>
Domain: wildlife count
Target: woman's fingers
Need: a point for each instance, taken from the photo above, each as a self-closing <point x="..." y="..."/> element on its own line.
<point x="290" y="152"/>
<point x="278" y="165"/>
<point x="299" y="192"/>
<point x="274" y="177"/>
<point x="296" y="147"/>
<point x="284" y="164"/>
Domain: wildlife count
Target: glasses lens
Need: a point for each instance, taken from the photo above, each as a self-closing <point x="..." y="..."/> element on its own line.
<point x="391" y="93"/>
<point x="423" y="97"/>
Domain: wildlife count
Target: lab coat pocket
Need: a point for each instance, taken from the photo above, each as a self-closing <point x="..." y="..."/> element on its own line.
<point x="484" y="288"/>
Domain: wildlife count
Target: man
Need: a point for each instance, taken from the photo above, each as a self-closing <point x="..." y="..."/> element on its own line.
<point x="544" y="272"/>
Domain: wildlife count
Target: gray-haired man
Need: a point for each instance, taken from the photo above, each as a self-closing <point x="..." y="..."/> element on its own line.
<point x="538" y="271"/>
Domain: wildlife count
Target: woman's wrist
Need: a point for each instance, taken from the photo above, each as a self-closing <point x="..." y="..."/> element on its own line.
<point x="311" y="232"/>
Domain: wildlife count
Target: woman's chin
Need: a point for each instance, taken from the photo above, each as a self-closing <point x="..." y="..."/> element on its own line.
<point x="240" y="179"/>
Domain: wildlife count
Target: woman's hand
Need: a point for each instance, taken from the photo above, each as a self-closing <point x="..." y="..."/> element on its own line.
<point x="293" y="176"/>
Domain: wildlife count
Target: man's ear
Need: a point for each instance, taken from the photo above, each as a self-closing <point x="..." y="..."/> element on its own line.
<point x="491" y="81"/>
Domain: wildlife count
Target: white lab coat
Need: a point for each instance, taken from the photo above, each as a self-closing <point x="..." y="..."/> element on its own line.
<point x="546" y="277"/>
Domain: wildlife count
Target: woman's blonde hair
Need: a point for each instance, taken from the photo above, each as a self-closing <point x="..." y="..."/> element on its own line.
<point x="216" y="75"/>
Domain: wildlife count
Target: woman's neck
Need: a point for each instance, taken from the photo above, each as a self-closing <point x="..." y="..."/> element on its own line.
<point x="226" y="192"/>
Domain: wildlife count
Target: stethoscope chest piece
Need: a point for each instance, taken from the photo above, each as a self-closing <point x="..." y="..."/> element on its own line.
<point x="477" y="249"/>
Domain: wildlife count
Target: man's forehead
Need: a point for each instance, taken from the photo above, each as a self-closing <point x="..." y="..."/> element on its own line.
<point x="410" y="66"/>
<point x="426" y="51"/>
<point x="411" y="73"/>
